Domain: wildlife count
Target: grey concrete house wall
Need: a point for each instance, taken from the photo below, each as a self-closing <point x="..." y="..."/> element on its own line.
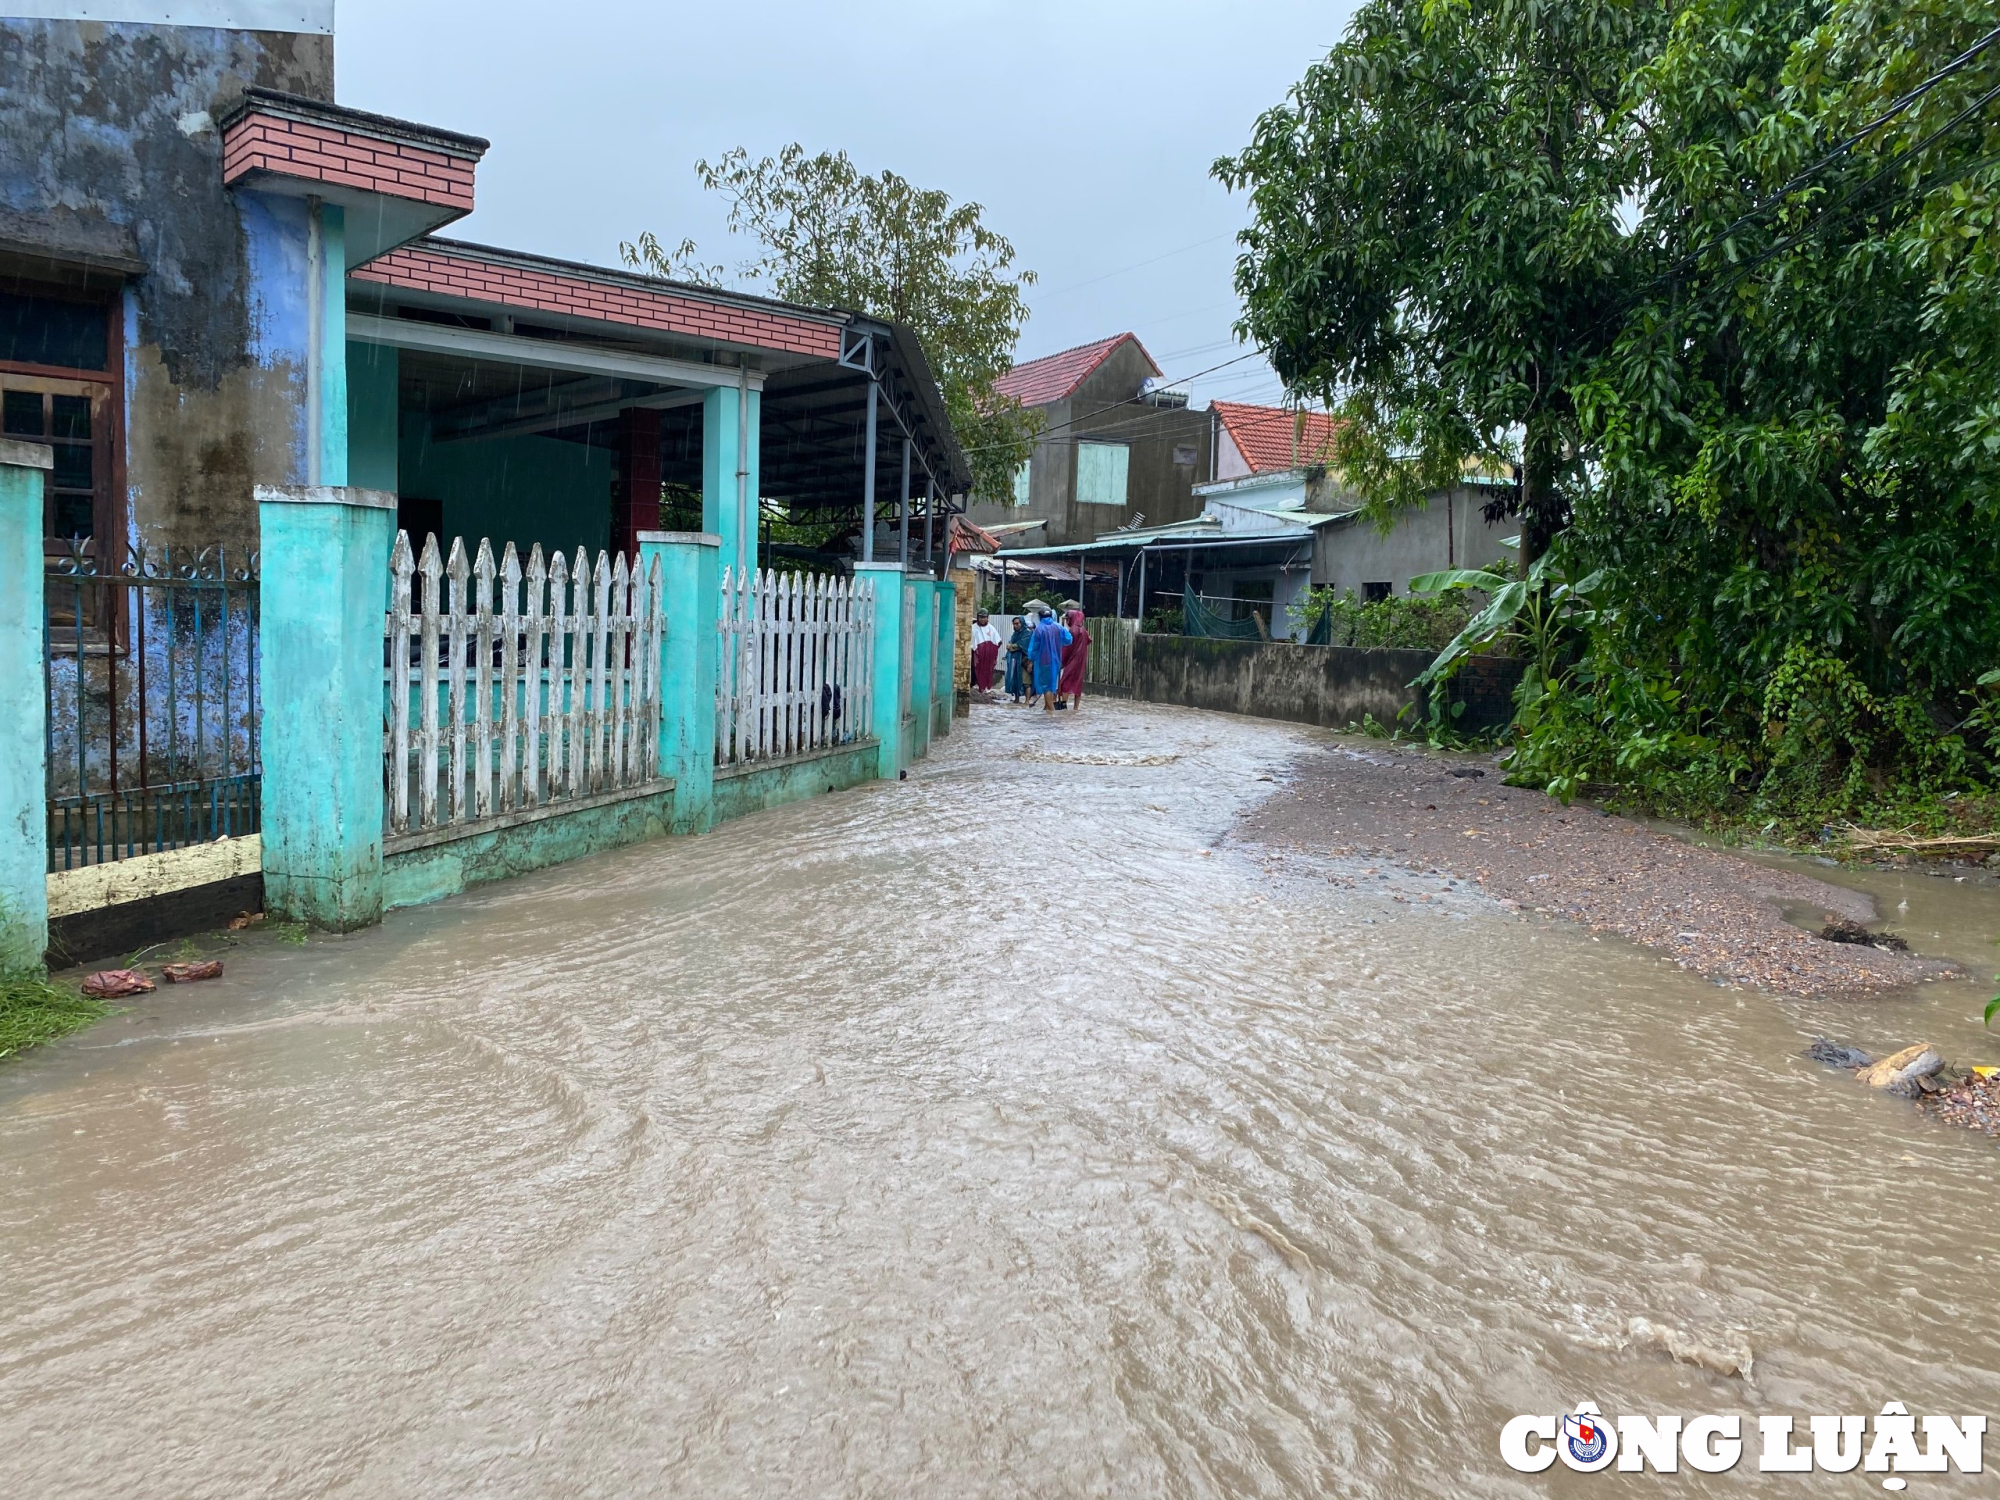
<point x="1450" y="532"/>
<point x="112" y="198"/>
<point x="1169" y="450"/>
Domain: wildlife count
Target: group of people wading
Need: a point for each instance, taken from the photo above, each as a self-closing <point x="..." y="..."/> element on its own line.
<point x="1046" y="656"/>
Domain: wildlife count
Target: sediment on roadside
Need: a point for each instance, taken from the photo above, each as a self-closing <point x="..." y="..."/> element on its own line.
<point x="1711" y="911"/>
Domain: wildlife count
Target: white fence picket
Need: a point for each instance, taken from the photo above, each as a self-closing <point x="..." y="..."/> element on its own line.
<point x="793" y="665"/>
<point x="517" y="703"/>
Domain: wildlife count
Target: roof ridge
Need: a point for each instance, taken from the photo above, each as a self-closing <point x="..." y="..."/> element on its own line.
<point x="1073" y="349"/>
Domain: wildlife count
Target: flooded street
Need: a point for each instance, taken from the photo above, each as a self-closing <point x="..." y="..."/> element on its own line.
<point x="1014" y="1130"/>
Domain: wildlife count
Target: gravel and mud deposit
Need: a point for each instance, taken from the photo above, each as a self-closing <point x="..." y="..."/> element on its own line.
<point x="1716" y="913"/>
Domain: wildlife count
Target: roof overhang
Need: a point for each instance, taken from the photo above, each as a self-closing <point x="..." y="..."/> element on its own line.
<point x="396" y="181"/>
<point x="544" y="354"/>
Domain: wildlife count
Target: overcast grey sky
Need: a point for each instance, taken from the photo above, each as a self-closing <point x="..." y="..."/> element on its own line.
<point x="1086" y="129"/>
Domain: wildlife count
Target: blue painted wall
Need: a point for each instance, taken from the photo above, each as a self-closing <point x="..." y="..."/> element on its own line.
<point x="274" y="243"/>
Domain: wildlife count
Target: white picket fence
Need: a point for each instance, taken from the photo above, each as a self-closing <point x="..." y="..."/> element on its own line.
<point x="794" y="664"/>
<point x="493" y="706"/>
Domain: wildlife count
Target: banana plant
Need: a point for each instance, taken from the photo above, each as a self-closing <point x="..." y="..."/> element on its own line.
<point x="1528" y="608"/>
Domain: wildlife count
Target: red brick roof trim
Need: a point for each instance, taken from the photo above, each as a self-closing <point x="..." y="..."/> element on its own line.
<point x="310" y="141"/>
<point x="429" y="266"/>
<point x="1055" y="376"/>
<point x="1264" y="435"/>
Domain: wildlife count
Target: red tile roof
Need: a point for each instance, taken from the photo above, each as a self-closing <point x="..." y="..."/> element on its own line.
<point x="1263" y="435"/>
<point x="1054" y="376"/>
<point x="499" y="278"/>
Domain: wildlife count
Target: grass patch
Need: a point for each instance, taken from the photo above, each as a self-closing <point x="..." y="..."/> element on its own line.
<point x="33" y="1011"/>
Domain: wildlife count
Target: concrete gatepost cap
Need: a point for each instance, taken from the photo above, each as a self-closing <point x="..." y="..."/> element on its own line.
<point x="325" y="494"/>
<point x="19" y="455"/>
<point x="680" y="539"/>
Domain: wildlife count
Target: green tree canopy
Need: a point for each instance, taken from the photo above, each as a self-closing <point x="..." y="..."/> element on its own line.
<point x="1437" y="247"/>
<point x="831" y="235"/>
<point x="1743" y="278"/>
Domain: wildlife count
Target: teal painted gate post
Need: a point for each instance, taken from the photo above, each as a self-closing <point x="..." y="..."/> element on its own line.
<point x="946" y="660"/>
<point x="324" y="594"/>
<point x="920" y="665"/>
<point x="691" y="583"/>
<point x="24" y="788"/>
<point x="886" y="688"/>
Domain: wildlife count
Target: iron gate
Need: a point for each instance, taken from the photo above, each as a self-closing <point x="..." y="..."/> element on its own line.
<point x="151" y="691"/>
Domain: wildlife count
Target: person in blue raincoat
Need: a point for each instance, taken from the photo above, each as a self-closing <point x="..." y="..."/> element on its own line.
<point x="1045" y="656"/>
<point x="1017" y="659"/>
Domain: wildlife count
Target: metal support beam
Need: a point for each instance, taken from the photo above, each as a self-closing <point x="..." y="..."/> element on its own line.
<point x="903" y="507"/>
<point x="542" y="354"/>
<point x="868" y="484"/>
<point x="930" y="522"/>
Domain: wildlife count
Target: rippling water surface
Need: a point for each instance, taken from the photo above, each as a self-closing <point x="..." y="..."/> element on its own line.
<point x="1012" y="1130"/>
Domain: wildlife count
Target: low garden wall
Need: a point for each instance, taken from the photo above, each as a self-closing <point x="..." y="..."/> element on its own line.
<point x="423" y="867"/>
<point x="761" y="784"/>
<point x="1331" y="686"/>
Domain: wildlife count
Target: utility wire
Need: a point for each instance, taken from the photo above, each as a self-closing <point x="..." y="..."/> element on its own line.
<point x="1843" y="148"/>
<point x="1693" y="258"/>
<point x="1827" y="214"/>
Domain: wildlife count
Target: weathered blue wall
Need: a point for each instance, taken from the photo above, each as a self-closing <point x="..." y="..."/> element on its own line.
<point x="110" y="165"/>
<point x="521" y="490"/>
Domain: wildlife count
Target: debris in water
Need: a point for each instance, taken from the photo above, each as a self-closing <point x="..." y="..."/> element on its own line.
<point x="1899" y="1073"/>
<point x="245" y="919"/>
<point x="1840" y="930"/>
<point x="117" y="984"/>
<point x="192" y="973"/>
<point x="1732" y="1360"/>
<point x="1467" y="773"/>
<point x="1972" y="1104"/>
<point x="1834" y="1055"/>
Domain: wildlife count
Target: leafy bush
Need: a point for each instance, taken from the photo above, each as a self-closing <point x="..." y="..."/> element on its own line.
<point x="1411" y="622"/>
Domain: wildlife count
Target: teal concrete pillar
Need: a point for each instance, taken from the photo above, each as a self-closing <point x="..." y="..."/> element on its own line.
<point x="323" y="596"/>
<point x="887" y="691"/>
<point x="691" y="578"/>
<point x="326" y="341"/>
<point x="731" y="427"/>
<point x="924" y="622"/>
<point x="946" y="660"/>
<point x="24" y="790"/>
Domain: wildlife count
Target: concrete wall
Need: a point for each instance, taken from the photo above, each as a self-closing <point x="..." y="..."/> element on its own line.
<point x="517" y="489"/>
<point x="413" y="876"/>
<point x="374" y="444"/>
<point x="1331" y="686"/>
<point x="740" y="790"/>
<point x="1449" y="533"/>
<point x="110" y="171"/>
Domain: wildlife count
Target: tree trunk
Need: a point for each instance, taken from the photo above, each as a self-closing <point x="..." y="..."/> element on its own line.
<point x="1541" y="505"/>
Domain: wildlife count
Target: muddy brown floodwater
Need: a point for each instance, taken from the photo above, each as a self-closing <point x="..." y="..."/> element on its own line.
<point x="1021" y="1129"/>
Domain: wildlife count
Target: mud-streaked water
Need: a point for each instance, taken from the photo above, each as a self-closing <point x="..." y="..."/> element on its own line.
<point x="1011" y="1130"/>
